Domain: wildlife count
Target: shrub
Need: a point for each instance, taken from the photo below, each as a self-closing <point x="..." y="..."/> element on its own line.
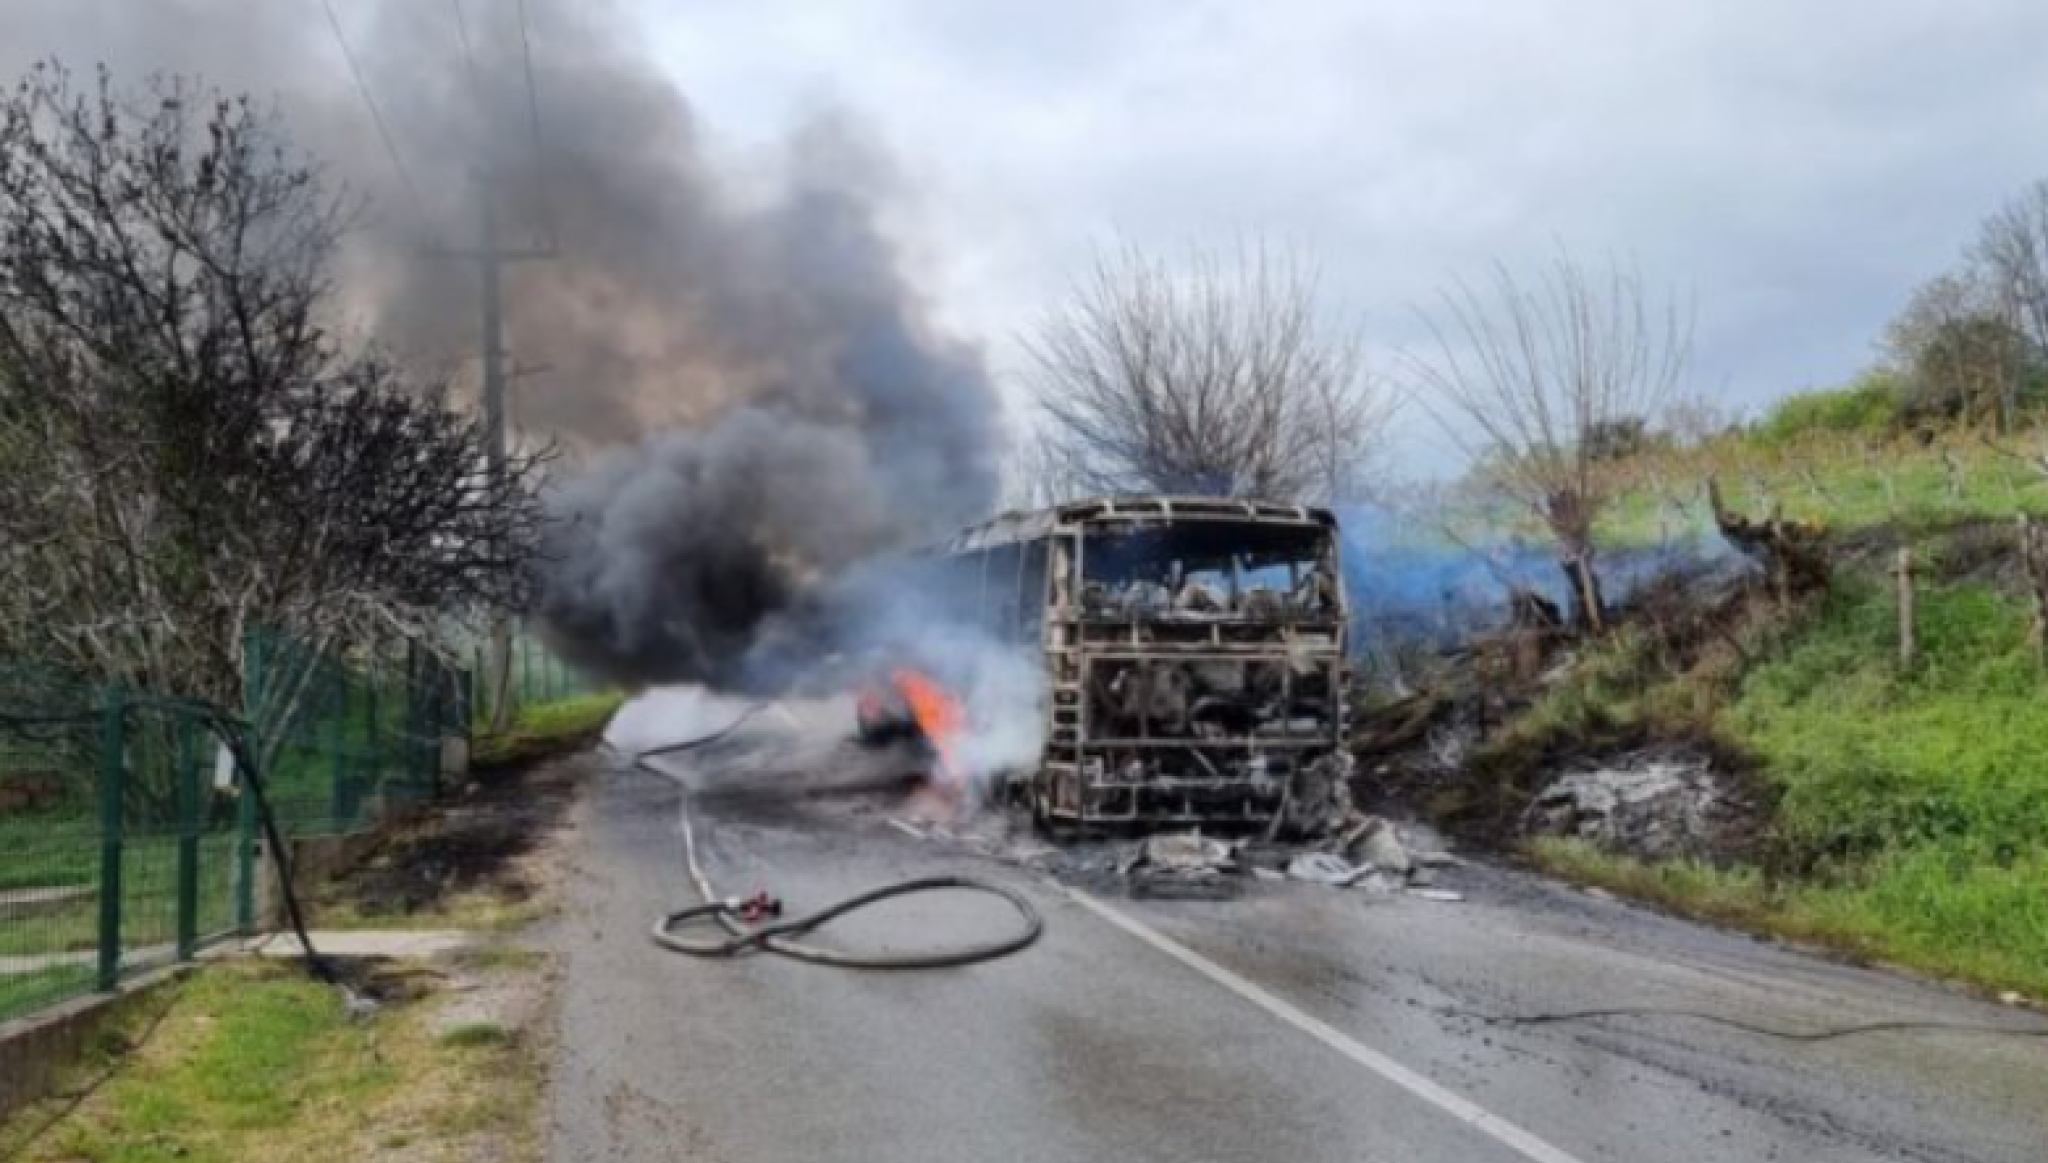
<point x="1869" y="406"/>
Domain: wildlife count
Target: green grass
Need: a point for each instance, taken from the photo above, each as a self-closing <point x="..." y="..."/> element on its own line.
<point x="1917" y="799"/>
<point x="1908" y="909"/>
<point x="544" y="729"/>
<point x="245" y="1052"/>
<point x="48" y="849"/>
<point x="472" y="1035"/>
<point x="1604" y="692"/>
<point x="1870" y="758"/>
<point x="255" y="1061"/>
<point x="149" y="908"/>
<point x="148" y="893"/>
<point x="1908" y="810"/>
<point x="25" y="993"/>
<point x="1620" y="692"/>
<point x="1911" y="807"/>
<point x="1837" y="485"/>
<point x="484" y="909"/>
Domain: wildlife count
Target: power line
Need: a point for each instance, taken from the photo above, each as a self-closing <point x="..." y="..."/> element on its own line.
<point x="490" y="258"/>
<point x="468" y="58"/>
<point x="376" y="115"/>
<point x="532" y="94"/>
<point x="554" y="221"/>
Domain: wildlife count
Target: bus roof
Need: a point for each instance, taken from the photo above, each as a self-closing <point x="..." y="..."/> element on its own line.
<point x="1031" y="524"/>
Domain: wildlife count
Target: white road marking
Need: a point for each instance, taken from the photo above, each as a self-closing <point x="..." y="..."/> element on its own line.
<point x="1457" y="1106"/>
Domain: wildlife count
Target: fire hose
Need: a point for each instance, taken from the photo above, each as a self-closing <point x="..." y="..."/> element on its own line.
<point x="754" y="924"/>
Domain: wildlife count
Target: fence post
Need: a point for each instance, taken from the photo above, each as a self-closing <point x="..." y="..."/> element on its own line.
<point x="453" y="717"/>
<point x="1908" y="645"/>
<point x="425" y="698"/>
<point x="188" y="839"/>
<point x="113" y="780"/>
<point x="246" y="842"/>
<point x="525" y="671"/>
<point x="2034" y="560"/>
<point x="409" y="736"/>
<point x="342" y="793"/>
<point x="245" y="797"/>
<point x="375" y="748"/>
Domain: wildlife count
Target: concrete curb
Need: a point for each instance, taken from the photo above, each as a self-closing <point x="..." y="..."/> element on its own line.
<point x="354" y="944"/>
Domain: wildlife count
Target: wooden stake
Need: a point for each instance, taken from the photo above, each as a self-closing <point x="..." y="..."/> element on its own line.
<point x="1953" y="469"/>
<point x="2034" y="561"/>
<point x="1781" y="576"/>
<point x="1908" y="645"/>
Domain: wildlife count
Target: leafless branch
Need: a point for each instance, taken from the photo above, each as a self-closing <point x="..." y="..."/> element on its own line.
<point x="1524" y="374"/>
<point x="1214" y="377"/>
<point x="186" y="452"/>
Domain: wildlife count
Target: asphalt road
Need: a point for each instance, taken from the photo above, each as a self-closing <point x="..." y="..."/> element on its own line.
<point x="1296" y="1023"/>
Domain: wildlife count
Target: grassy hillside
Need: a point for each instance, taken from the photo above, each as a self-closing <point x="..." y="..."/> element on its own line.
<point x="542" y="729"/>
<point x="1845" y="484"/>
<point x="1909" y="809"/>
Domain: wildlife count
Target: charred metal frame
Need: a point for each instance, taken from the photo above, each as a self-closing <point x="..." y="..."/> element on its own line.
<point x="1091" y="777"/>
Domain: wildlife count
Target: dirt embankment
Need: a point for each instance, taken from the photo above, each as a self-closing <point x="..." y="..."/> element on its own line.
<point x="484" y="858"/>
<point x="1531" y="730"/>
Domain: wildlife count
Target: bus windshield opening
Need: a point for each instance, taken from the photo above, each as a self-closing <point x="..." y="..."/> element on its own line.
<point x="1209" y="569"/>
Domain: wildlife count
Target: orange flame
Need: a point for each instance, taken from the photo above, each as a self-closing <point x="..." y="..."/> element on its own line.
<point x="941" y="718"/>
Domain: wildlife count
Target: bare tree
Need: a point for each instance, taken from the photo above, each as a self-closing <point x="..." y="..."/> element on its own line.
<point x="1218" y="376"/>
<point x="1526" y="373"/>
<point x="1960" y="347"/>
<point x="2011" y="251"/>
<point x="1692" y="420"/>
<point x="186" y="452"/>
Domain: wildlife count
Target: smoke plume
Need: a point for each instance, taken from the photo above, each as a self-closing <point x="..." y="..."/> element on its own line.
<point x="747" y="380"/>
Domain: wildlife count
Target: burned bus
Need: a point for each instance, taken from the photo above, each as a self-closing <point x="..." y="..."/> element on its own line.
<point x="1193" y="652"/>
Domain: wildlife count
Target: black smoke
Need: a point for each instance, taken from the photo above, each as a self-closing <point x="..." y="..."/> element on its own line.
<point x="741" y="368"/>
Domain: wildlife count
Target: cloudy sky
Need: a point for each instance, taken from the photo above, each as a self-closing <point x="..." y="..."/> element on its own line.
<point x="1796" y="167"/>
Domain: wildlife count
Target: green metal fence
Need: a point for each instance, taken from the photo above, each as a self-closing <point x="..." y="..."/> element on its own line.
<point x="118" y="849"/>
<point x="534" y="674"/>
<point x="354" y="739"/>
<point x="126" y="841"/>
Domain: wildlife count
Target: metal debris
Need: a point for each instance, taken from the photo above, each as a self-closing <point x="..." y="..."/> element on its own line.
<point x="1186" y="853"/>
<point x="1359" y="852"/>
<point x="1656" y="802"/>
<point x="1326" y="868"/>
<point x="359" y="1006"/>
<point x="1182" y="866"/>
<point x="1030" y="852"/>
<point x="1373" y="842"/>
<point x="1318" y="799"/>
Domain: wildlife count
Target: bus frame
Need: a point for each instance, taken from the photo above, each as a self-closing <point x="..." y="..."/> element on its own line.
<point x="1101" y="769"/>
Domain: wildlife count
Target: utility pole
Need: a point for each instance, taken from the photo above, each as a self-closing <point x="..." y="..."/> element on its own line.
<point x="491" y="259"/>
